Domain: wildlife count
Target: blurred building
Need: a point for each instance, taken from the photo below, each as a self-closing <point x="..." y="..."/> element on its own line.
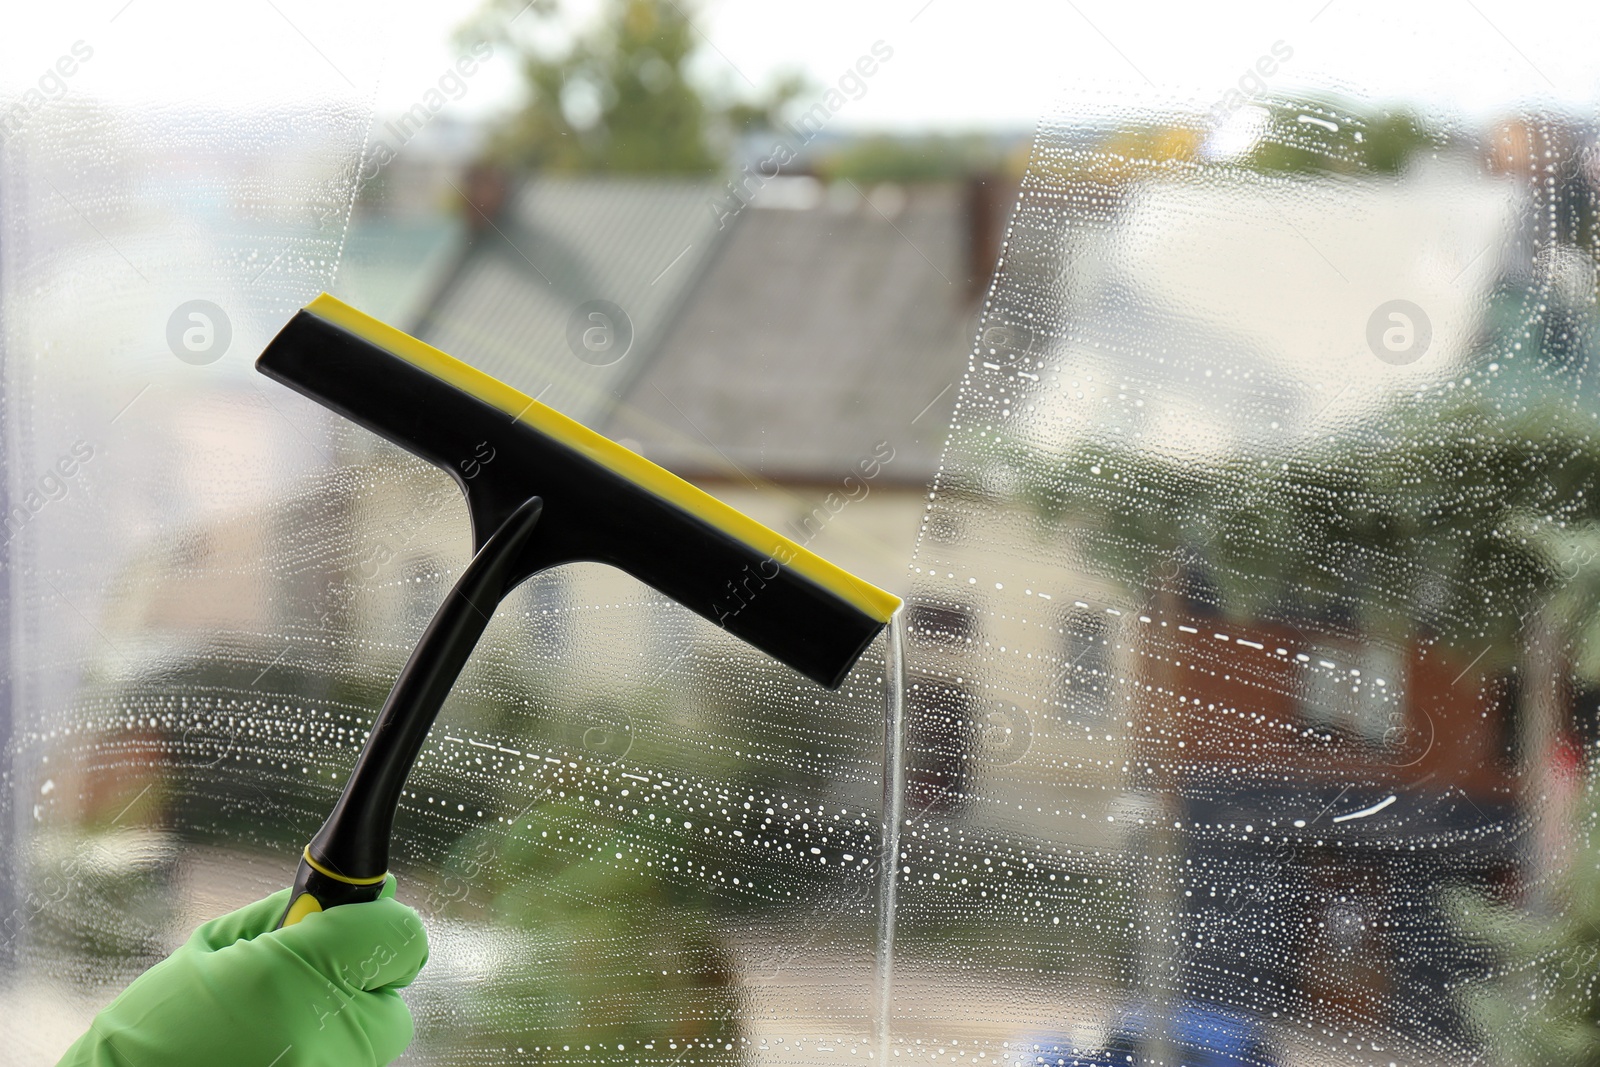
<point x="799" y="358"/>
<point x="776" y="355"/>
<point x="800" y="354"/>
<point x="797" y="355"/>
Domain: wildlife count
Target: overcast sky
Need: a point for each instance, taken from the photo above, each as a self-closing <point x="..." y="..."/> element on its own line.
<point x="956" y="63"/>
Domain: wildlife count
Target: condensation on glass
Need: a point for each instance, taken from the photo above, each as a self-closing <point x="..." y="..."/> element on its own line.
<point x="1252" y="677"/>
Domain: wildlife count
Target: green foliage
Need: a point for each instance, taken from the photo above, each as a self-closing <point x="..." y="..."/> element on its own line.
<point x="618" y="98"/>
<point x="1437" y="518"/>
<point x="1332" y="136"/>
<point x="605" y="958"/>
<point x="936" y="157"/>
<point x="1310" y="136"/>
<point x="1542" y="1003"/>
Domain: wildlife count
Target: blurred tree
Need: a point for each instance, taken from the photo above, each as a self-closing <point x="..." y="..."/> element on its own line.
<point x="1336" y="136"/>
<point x="936" y="157"/>
<point x="1310" y="136"/>
<point x="1541" y="1004"/>
<point x="1439" y="518"/>
<point x="624" y="957"/>
<point x="618" y="97"/>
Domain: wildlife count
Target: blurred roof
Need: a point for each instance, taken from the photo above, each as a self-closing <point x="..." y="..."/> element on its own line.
<point x="552" y="245"/>
<point x="826" y="324"/>
<point x="780" y="342"/>
<point x="391" y="267"/>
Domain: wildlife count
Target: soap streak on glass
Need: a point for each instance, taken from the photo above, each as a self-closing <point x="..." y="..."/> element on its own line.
<point x="894" y="792"/>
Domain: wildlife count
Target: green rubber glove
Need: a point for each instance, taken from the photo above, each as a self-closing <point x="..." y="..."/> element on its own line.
<point x="324" y="991"/>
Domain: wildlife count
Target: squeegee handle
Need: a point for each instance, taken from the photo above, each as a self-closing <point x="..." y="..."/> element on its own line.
<point x="347" y="860"/>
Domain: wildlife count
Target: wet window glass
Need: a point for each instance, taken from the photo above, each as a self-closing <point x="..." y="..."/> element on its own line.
<point x="1219" y="396"/>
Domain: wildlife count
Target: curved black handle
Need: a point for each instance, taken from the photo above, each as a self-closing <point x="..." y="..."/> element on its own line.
<point x="348" y="858"/>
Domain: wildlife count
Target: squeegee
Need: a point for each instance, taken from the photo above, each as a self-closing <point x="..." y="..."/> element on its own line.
<point x="542" y="490"/>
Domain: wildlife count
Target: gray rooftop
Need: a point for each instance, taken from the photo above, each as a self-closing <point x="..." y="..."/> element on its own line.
<point x="782" y="344"/>
<point x="555" y="245"/>
<point x="820" y="329"/>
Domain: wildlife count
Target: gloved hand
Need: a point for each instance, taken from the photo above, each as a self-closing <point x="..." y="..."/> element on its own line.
<point x="324" y="991"/>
